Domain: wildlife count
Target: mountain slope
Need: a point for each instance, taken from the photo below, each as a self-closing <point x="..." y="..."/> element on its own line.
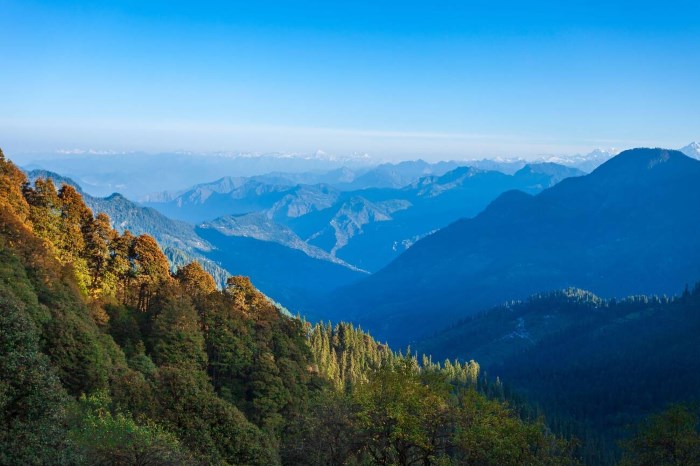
<point x="225" y="196"/>
<point x="260" y="226"/>
<point x="627" y="228"/>
<point x="106" y="357"/>
<point x="289" y="276"/>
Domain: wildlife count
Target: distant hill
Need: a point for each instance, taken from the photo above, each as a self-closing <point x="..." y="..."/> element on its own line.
<point x="398" y="175"/>
<point x="627" y="228"/>
<point x="225" y="196"/>
<point x="259" y="226"/>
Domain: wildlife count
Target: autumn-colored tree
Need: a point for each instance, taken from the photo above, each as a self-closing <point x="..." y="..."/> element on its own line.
<point x="150" y="267"/>
<point x="196" y="282"/>
<point x="121" y="264"/>
<point x="243" y="291"/>
<point x="75" y="215"/>
<point x="12" y="183"/>
<point x="76" y="221"/>
<point x="98" y="237"/>
<point x="45" y="214"/>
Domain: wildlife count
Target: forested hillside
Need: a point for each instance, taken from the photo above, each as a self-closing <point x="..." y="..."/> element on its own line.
<point x="106" y="357"/>
<point x="596" y="366"/>
<point x="178" y="239"/>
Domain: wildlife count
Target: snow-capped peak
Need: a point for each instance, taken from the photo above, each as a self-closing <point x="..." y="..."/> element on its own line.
<point x="692" y="150"/>
<point x="586" y="162"/>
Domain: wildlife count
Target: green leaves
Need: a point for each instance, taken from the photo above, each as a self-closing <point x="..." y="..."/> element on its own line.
<point x="32" y="401"/>
<point x="667" y="439"/>
<point x="403" y="419"/>
<point x="101" y="437"/>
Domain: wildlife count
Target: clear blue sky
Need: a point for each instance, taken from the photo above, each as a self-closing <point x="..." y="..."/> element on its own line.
<point x="393" y="79"/>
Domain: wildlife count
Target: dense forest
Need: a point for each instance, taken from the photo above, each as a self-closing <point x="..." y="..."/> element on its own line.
<point x="596" y="366"/>
<point x="107" y="357"/>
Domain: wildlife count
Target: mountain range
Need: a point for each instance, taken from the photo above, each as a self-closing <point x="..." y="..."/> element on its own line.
<point x="334" y="236"/>
<point x="236" y="195"/>
<point x="155" y="177"/>
<point x="329" y="236"/>
<point x="366" y="228"/>
<point x="136" y="174"/>
<point x="627" y="228"/>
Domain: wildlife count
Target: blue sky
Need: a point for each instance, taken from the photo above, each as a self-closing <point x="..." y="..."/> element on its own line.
<point x="392" y="79"/>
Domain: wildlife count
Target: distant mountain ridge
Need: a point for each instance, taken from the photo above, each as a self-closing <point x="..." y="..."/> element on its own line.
<point x="363" y="227"/>
<point x="586" y="162"/>
<point x="136" y="174"/>
<point x="627" y="228"/>
<point x="398" y="175"/>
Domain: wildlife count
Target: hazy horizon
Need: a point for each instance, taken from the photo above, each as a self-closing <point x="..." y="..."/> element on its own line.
<point x="363" y="158"/>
